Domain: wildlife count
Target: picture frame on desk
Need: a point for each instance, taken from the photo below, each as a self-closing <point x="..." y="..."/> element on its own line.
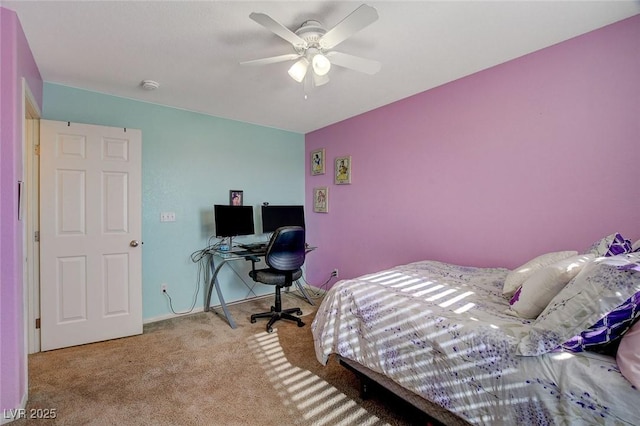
<point x="236" y="197"/>
<point x="317" y="162"/>
<point x="321" y="199"/>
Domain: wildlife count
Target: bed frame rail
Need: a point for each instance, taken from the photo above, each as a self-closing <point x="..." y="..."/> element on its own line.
<point x="436" y="414"/>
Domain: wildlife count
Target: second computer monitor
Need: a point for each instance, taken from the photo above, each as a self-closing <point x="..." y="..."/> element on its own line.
<point x="273" y="217"/>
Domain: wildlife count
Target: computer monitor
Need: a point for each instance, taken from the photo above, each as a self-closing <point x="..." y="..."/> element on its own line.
<point x="231" y="221"/>
<point x="273" y="217"/>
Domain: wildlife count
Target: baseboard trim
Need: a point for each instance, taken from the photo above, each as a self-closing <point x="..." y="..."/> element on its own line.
<point x="317" y="291"/>
<point x="201" y="309"/>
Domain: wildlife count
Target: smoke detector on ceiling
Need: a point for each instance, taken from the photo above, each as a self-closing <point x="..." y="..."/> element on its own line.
<point x="149" y="84"/>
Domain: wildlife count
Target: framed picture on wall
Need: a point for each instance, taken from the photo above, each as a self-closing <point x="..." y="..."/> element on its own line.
<point x="343" y="170"/>
<point x="317" y="162"/>
<point x="321" y="199"/>
<point x="236" y="197"/>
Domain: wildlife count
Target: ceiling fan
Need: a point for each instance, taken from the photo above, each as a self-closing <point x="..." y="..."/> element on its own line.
<point x="313" y="46"/>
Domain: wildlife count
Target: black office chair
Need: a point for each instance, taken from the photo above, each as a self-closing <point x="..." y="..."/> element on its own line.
<point x="285" y="255"/>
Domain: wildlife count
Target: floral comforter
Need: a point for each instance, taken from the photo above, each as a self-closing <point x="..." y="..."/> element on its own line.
<point x="440" y="331"/>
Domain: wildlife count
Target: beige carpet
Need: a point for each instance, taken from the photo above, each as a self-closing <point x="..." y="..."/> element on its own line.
<point x="196" y="370"/>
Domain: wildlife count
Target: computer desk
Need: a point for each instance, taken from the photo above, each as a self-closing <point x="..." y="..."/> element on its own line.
<point x="235" y="254"/>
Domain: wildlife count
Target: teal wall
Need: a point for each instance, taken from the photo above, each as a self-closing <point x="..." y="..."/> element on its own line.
<point x="190" y="161"/>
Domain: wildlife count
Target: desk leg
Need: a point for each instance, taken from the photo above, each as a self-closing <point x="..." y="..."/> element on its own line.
<point x="304" y="293"/>
<point x="214" y="283"/>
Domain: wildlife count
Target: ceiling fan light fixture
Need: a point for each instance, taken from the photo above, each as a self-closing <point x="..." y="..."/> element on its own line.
<point x="320" y="80"/>
<point x="321" y="64"/>
<point x="299" y="70"/>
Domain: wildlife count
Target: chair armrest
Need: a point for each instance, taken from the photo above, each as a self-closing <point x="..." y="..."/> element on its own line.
<point x="254" y="259"/>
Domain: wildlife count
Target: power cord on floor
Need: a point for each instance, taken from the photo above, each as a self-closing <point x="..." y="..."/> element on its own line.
<point x="166" y="293"/>
<point x="202" y="258"/>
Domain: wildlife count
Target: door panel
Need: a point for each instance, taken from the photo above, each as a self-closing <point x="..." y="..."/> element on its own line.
<point x="116" y="296"/>
<point x="71" y="286"/>
<point x="70" y="202"/>
<point x="91" y="286"/>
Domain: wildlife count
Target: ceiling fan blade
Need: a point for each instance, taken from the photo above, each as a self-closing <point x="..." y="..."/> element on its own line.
<point x="272" y="59"/>
<point x="357" y="20"/>
<point x="278" y="29"/>
<point x="356" y="63"/>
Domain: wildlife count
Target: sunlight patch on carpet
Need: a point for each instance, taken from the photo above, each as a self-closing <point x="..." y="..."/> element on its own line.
<point x="305" y="394"/>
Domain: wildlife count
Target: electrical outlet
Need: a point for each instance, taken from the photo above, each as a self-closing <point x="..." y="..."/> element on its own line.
<point x="163" y="288"/>
<point x="334" y="273"/>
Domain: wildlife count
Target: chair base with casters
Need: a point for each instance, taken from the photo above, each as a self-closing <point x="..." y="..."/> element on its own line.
<point x="277" y="313"/>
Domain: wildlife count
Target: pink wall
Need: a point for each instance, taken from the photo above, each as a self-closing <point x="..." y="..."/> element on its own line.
<point x="17" y="62"/>
<point x="534" y="155"/>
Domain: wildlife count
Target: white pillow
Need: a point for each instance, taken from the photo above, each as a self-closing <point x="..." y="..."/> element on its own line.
<point x="515" y="278"/>
<point x="602" y="287"/>
<point x="635" y="246"/>
<point x="537" y="291"/>
<point x="628" y="355"/>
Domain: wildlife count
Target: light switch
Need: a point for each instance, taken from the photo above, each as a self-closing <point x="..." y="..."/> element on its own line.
<point x="167" y="217"/>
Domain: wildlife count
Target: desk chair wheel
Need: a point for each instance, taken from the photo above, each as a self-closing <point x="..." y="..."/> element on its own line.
<point x="300" y="324"/>
<point x="253" y="320"/>
<point x="299" y="313"/>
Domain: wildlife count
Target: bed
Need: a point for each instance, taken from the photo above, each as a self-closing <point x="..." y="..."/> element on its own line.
<point x="448" y="335"/>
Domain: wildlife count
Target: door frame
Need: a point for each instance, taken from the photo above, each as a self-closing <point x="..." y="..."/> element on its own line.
<point x="31" y="115"/>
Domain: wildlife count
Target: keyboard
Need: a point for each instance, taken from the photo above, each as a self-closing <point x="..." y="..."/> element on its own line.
<point x="253" y="246"/>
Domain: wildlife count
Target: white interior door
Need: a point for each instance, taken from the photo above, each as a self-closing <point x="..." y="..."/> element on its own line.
<point x="90" y="228"/>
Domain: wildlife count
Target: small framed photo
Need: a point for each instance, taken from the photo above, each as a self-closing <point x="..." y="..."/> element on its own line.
<point x="321" y="199"/>
<point x="236" y="197"/>
<point x="317" y="162"/>
<point x="343" y="170"/>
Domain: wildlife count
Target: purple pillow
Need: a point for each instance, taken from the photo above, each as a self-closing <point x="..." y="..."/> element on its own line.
<point x="608" y="330"/>
<point x="619" y="246"/>
<point x="611" y="245"/>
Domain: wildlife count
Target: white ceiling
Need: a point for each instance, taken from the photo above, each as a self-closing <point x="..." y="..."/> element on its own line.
<point x="193" y="49"/>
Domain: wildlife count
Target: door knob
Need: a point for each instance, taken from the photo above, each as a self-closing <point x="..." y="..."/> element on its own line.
<point x="134" y="243"/>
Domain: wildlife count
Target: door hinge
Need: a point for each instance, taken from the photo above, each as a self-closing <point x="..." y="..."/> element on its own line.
<point x="36" y="236"/>
<point x="36" y="149"/>
<point x="37" y="323"/>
